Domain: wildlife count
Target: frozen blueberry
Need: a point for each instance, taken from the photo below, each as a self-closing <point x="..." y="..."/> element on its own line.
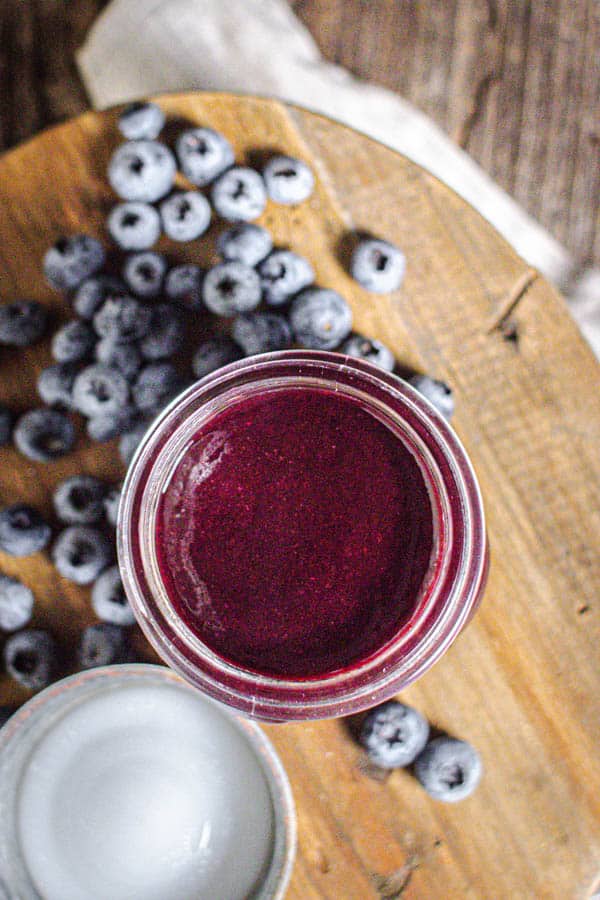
<point x="5" y="713"/>
<point x="183" y="285"/>
<point x="214" y="353"/>
<point x="80" y="553"/>
<point x="111" y="505"/>
<point x="92" y="293"/>
<point x="261" y="332"/>
<point x="102" y="645"/>
<point x="44" y="434"/>
<point x="320" y="319"/>
<point x="22" y="530"/>
<point x="142" y="170"/>
<point x="141" y="121"/>
<point x="230" y="288"/>
<point x="155" y="386"/>
<point x="245" y="243"/>
<point x="109" y="601"/>
<point x="72" y="342"/>
<point x="6" y="423"/>
<point x="437" y="392"/>
<point x="22" y="323"/>
<point x="125" y="358"/>
<point x="166" y="334"/>
<point x="373" y="351"/>
<point x="134" y="226"/>
<point x="55" y="384"/>
<point x="283" y="274"/>
<point x="131" y="440"/>
<point x="79" y="500"/>
<point x="16" y="604"/>
<point x="288" y="180"/>
<point x="30" y="657"/>
<point x="144" y="273"/>
<point x="122" y="319"/>
<point x="72" y="259"/>
<point x="394" y="734"/>
<point x="378" y="266"/>
<point x="203" y="154"/>
<point x="239" y="195"/>
<point x="448" y="769"/>
<point x="185" y="215"/>
<point x="106" y="427"/>
<point x="100" y="391"/>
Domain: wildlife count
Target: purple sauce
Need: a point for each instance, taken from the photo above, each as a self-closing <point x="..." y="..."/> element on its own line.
<point x="295" y="533"/>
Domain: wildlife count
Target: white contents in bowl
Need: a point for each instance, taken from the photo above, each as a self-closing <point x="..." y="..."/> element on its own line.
<point x="144" y="792"/>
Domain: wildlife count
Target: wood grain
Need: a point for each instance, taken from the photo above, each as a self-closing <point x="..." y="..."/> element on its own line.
<point x="522" y="683"/>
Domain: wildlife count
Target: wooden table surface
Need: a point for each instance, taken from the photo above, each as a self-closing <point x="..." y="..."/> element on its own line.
<point x="523" y="682"/>
<point x="515" y="84"/>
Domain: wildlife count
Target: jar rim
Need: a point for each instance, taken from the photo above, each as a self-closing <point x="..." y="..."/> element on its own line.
<point x="450" y="591"/>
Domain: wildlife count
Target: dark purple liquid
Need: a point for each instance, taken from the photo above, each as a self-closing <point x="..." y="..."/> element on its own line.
<point x="295" y="533"/>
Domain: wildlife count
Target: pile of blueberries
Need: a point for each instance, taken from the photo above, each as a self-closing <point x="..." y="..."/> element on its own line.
<point x="396" y="736"/>
<point x="114" y="361"/>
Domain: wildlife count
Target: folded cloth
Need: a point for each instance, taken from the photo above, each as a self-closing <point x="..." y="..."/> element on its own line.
<point x="142" y="47"/>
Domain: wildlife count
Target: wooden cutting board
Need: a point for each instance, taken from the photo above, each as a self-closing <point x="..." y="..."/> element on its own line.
<point x="523" y="682"/>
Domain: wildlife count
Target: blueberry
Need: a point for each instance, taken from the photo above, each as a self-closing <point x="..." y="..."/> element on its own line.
<point x="283" y="274"/>
<point x="111" y="505"/>
<point x="373" y="351"/>
<point x="55" y="384"/>
<point x="30" y="657"/>
<point x="144" y="273"/>
<point x="100" y="391"/>
<point x="122" y="319"/>
<point x="102" y="645"/>
<point x="320" y="319"/>
<point x="230" y="288"/>
<point x="125" y="358"/>
<point x="183" y="284"/>
<point x="22" y="530"/>
<point x="239" y="195"/>
<point x="378" y="266"/>
<point x="92" y="293"/>
<point x="22" y="323"/>
<point x="394" y="734"/>
<point x="81" y="552"/>
<point x="16" y="604"/>
<point x="155" y="386"/>
<point x="109" y="600"/>
<point x="448" y="769"/>
<point x="131" y="440"/>
<point x="245" y="243"/>
<point x="5" y="713"/>
<point x="6" y="423"/>
<point x="142" y="170"/>
<point x="79" y="500"/>
<point x="44" y="434"/>
<point x="214" y="353"/>
<point x="288" y="180"/>
<point x="72" y="342"/>
<point x="185" y="215"/>
<point x="261" y="332"/>
<point x="106" y="427"/>
<point x="134" y="226"/>
<point x="72" y="259"/>
<point x="203" y="154"/>
<point x="166" y="334"/>
<point x="141" y="121"/>
<point x="437" y="392"/>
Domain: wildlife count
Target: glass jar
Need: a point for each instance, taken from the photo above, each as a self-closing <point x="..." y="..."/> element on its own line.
<point x="449" y="594"/>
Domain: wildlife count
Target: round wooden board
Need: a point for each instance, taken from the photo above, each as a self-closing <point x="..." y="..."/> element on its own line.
<point x="523" y="682"/>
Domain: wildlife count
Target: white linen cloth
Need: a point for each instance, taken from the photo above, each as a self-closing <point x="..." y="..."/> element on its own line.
<point x="142" y="47"/>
